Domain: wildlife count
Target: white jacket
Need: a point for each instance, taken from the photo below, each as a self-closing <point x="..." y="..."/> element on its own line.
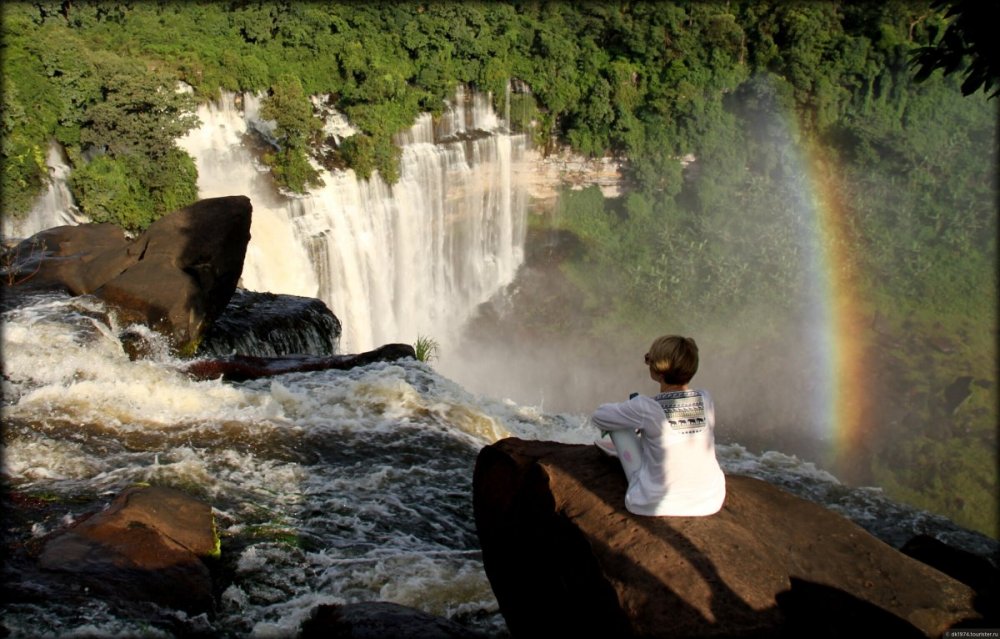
<point x="679" y="474"/>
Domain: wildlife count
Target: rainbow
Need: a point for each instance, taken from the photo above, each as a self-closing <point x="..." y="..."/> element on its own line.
<point x="843" y="319"/>
<point x="838" y="322"/>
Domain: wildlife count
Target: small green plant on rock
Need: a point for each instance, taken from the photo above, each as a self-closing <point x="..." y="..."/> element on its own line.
<point x="426" y="348"/>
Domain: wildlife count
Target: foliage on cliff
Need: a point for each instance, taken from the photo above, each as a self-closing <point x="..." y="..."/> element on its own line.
<point x="857" y="175"/>
<point x="289" y="108"/>
<point x="643" y="80"/>
<point x="117" y="117"/>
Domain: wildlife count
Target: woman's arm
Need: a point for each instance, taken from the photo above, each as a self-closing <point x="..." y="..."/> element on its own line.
<point x="620" y="415"/>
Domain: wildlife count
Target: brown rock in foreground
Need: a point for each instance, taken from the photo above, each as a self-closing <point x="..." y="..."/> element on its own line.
<point x="147" y="545"/>
<point x="74" y="259"/>
<point x="564" y="557"/>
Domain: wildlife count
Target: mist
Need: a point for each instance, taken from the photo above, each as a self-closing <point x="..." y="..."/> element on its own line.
<point x="770" y="394"/>
<point x="915" y="387"/>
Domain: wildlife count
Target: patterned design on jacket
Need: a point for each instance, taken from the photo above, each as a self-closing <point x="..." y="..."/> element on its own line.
<point x="684" y="411"/>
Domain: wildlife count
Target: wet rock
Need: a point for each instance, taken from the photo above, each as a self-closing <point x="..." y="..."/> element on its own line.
<point x="379" y="620"/>
<point x="148" y="545"/>
<point x="240" y="368"/>
<point x="266" y="324"/>
<point x="564" y="557"/>
<point x="188" y="265"/>
<point x="72" y="259"/>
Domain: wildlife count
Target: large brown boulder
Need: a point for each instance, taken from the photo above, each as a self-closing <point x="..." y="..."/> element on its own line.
<point x="176" y="277"/>
<point x="74" y="259"/>
<point x="148" y="545"/>
<point x="564" y="557"/>
<point x="189" y="263"/>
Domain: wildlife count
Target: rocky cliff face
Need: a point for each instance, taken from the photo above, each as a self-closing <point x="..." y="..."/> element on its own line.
<point x="564" y="557"/>
<point x="544" y="176"/>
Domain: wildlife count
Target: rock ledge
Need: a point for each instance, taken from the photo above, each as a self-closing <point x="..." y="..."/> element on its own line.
<point x="565" y="557"/>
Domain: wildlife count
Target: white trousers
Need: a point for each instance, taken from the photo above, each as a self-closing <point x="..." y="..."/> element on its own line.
<point x="629" y="450"/>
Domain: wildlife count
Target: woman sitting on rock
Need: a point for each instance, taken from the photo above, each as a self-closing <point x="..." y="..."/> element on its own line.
<point x="666" y="443"/>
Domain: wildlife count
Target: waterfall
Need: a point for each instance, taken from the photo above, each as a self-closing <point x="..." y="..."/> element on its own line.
<point x="55" y="207"/>
<point x="393" y="262"/>
<point x="222" y="149"/>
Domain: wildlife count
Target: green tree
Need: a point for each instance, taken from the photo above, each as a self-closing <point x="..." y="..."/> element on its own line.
<point x="25" y="173"/>
<point x="295" y="131"/>
<point x="141" y="111"/>
<point x="110" y="189"/>
<point x="30" y="111"/>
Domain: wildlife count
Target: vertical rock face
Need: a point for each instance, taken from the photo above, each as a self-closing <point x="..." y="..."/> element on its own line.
<point x="565" y="557"/>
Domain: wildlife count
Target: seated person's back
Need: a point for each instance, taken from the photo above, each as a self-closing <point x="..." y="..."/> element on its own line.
<point x="670" y="464"/>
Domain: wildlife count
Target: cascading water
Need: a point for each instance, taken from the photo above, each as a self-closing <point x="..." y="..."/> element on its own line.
<point x="328" y="487"/>
<point x="393" y="262"/>
<point x="54" y="208"/>
<point x="275" y="261"/>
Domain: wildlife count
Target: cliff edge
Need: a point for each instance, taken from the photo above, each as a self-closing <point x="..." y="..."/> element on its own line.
<point x="564" y="556"/>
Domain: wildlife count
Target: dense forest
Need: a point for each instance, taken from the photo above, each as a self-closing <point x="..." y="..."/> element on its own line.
<point x="765" y="96"/>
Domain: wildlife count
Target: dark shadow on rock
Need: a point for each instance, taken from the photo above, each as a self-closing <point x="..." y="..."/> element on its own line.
<point x="243" y="367"/>
<point x="824" y="612"/>
<point x="270" y="325"/>
<point x="695" y="601"/>
<point x="728" y="610"/>
<point x="379" y="620"/>
<point x="974" y="571"/>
